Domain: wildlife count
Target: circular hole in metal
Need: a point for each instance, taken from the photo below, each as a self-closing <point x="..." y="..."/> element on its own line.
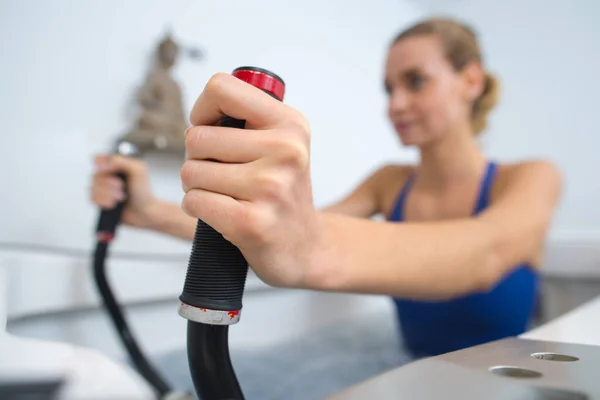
<point x="554" y="357"/>
<point x="515" y="372"/>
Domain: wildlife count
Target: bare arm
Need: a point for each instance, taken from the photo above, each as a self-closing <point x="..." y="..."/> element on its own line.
<point x="169" y="218"/>
<point x="259" y="198"/>
<point x="438" y="259"/>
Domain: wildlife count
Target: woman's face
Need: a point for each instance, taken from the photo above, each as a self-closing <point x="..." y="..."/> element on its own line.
<point x="427" y="97"/>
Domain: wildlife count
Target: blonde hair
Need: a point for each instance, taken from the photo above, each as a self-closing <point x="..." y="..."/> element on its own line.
<point x="460" y="47"/>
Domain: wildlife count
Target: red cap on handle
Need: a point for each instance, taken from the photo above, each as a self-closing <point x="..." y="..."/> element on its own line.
<point x="262" y="79"/>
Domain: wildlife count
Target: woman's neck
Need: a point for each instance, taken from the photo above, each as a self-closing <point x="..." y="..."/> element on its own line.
<point x="453" y="159"/>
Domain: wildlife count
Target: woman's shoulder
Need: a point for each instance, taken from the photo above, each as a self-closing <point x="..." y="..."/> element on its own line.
<point x="530" y="168"/>
<point x="394" y="171"/>
<point x="390" y="175"/>
<point x="526" y="171"/>
<point x="387" y="181"/>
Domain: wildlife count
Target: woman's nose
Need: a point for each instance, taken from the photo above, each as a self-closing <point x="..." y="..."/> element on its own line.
<point x="398" y="102"/>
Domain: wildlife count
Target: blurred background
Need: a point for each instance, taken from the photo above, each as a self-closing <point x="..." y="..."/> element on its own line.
<point x="68" y="75"/>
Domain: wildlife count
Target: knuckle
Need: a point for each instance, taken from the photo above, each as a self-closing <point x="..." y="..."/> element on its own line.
<point x="251" y="224"/>
<point x="98" y="178"/>
<point x="188" y="174"/>
<point x="137" y="167"/>
<point x="294" y="153"/>
<point x="216" y="82"/>
<point x="192" y="139"/>
<point x="300" y="122"/>
<point x="272" y="186"/>
<point x="189" y="204"/>
<point x="112" y="181"/>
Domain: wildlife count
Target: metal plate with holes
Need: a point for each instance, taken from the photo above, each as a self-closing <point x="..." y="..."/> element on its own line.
<point x="506" y="369"/>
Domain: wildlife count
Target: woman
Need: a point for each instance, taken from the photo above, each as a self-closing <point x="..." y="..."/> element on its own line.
<point x="439" y="99"/>
<point x="461" y="267"/>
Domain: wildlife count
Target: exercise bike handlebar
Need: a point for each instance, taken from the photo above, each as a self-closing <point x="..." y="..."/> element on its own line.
<point x="214" y="285"/>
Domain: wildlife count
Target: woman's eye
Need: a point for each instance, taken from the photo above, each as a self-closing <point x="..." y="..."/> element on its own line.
<point x="416" y="82"/>
<point x="388" y="89"/>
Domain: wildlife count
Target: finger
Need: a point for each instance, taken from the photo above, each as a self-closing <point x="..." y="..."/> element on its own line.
<point x="226" y="179"/>
<point x="101" y="162"/>
<point x="108" y="181"/>
<point x="218" y="211"/>
<point x="229" y="144"/>
<point x="104" y="200"/>
<point x="117" y="163"/>
<point x="103" y="193"/>
<point x="110" y="186"/>
<point x="225" y="94"/>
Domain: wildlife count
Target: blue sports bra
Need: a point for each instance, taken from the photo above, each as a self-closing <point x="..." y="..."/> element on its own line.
<point x="431" y="328"/>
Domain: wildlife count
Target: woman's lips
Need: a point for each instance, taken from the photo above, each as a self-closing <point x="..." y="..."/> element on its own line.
<point x="402" y="127"/>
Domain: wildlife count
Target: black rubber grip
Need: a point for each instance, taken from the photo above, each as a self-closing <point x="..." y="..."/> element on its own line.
<point x="217" y="270"/>
<point x="109" y="219"/>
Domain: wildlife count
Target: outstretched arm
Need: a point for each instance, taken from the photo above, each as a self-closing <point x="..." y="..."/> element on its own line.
<point x="439" y="259"/>
<point x="259" y="197"/>
<point x="169" y="218"/>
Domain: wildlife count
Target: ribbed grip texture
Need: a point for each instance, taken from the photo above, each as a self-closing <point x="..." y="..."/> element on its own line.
<point x="109" y="219"/>
<point x="217" y="270"/>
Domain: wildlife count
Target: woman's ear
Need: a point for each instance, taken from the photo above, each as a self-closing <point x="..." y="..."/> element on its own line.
<point x="474" y="80"/>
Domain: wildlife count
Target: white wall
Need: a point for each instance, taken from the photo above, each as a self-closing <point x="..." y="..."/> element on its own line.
<point x="69" y="68"/>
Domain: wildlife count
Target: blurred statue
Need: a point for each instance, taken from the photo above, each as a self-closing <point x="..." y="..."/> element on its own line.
<point x="161" y="121"/>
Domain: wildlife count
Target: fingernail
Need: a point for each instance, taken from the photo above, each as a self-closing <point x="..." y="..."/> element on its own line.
<point x="186" y="131"/>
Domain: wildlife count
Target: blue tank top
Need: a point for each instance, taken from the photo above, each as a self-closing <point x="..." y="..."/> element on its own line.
<point x="431" y="328"/>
